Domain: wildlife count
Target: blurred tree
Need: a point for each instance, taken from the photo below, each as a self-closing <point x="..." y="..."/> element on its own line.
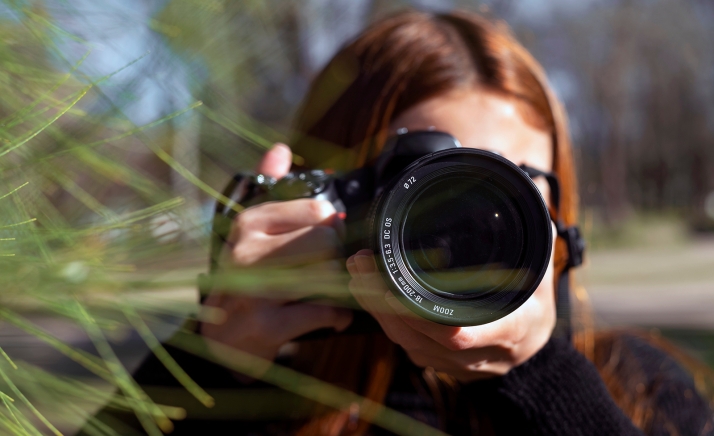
<point x="642" y="103"/>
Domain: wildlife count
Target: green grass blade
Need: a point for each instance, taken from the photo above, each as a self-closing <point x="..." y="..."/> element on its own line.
<point x="127" y="133"/>
<point x="14" y="146"/>
<point x="89" y="361"/>
<point x="27" y="403"/>
<point x="152" y="419"/>
<point x="165" y="358"/>
<point x="303" y="385"/>
<point x="31" y="220"/>
<point x="14" y="190"/>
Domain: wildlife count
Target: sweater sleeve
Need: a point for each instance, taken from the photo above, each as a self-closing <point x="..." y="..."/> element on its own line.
<point x="557" y="392"/>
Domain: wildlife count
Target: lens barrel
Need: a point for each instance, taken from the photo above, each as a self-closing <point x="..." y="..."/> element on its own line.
<point x="462" y="236"/>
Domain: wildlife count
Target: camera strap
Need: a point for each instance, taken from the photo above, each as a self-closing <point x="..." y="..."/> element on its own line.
<point x="576" y="248"/>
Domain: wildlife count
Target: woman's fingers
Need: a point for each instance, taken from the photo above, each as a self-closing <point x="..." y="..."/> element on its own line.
<point x="367" y="268"/>
<point x="451" y="338"/>
<point x="467" y="353"/>
<point x="276" y="162"/>
<point x="263" y="313"/>
<point x="370" y="290"/>
<point x="280" y="286"/>
<point x="299" y="247"/>
<point x="260" y="326"/>
<point x="467" y="369"/>
<point x="295" y="320"/>
<point x="445" y="348"/>
<point x="283" y="217"/>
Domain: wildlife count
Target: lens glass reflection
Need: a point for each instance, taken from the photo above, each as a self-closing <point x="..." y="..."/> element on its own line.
<point x="463" y="235"/>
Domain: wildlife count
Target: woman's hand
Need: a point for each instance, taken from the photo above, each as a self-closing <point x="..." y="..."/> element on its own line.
<point x="467" y="353"/>
<point x="286" y="234"/>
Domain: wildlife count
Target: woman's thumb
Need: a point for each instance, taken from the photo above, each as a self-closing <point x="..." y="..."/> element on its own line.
<point x="276" y="162"/>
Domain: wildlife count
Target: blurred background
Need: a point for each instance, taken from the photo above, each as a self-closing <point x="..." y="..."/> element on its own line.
<point x="120" y="121"/>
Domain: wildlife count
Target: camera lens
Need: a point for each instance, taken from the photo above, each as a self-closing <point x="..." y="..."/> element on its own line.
<point x="463" y="236"/>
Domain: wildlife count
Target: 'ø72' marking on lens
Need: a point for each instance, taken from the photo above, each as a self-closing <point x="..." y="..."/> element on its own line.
<point x="410" y="181"/>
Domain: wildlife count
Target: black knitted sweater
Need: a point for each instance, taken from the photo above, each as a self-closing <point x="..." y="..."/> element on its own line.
<point x="557" y="392"/>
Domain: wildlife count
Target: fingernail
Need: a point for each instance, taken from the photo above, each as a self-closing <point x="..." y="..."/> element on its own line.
<point x="326" y="209"/>
<point x="364" y="264"/>
<point x="351" y="266"/>
<point x="339" y="225"/>
<point x="279" y="146"/>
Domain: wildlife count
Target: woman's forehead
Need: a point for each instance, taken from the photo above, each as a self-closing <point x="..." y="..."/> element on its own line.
<point x="482" y="120"/>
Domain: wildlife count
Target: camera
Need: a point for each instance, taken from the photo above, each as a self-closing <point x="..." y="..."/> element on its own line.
<point x="461" y="236"/>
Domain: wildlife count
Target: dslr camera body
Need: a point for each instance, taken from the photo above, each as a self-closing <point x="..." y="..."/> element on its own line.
<point x="461" y="236"/>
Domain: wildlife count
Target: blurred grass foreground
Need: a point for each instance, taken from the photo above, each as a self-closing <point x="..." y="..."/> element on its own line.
<point x="119" y="121"/>
<point x="103" y="224"/>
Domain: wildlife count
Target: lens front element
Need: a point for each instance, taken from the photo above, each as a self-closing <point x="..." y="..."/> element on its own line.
<point x="462" y="235"/>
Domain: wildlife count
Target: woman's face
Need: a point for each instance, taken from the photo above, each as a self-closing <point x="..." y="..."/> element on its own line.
<point x="486" y="121"/>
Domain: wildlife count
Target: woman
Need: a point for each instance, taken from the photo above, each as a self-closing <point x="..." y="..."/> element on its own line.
<point x="461" y="75"/>
<point x="457" y="73"/>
